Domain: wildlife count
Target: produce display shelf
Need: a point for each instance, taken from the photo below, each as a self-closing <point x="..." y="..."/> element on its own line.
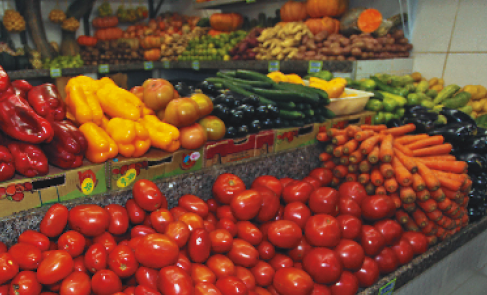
<point x="218" y="3"/>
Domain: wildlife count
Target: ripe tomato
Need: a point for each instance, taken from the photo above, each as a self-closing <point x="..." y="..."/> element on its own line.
<point x="211" y="218"/>
<point x="119" y="219"/>
<point x="3" y="247"/>
<point x="79" y="264"/>
<point x="177" y="211"/>
<point x="221" y="241"/>
<point x="390" y="230"/>
<point x="270" y="204"/>
<point x="146" y="276"/>
<point x="107" y="240"/>
<point x="246" y="277"/>
<point x="26" y="255"/>
<point x="284" y="234"/>
<point x="192" y="220"/>
<point x="353" y="190"/>
<point x="4" y="289"/>
<point x="323" y="175"/>
<point x="105" y="282"/>
<point x="175" y="281"/>
<point x="348" y="206"/>
<point x="135" y="212"/>
<point x="206" y="289"/>
<point x="320" y="290"/>
<point x="351" y="254"/>
<point x="269" y="182"/>
<point x="323" y="265"/>
<point x="141" y="231"/>
<point x="403" y="250"/>
<point x="8" y="267"/>
<point x="96" y="258"/>
<point x="122" y="261"/>
<point x="156" y="251"/>
<point x="418" y="241"/>
<point x="346" y="285"/>
<point x="243" y="253"/>
<point x="193" y="204"/>
<point x="228" y="225"/>
<point x="72" y="242"/>
<point x="89" y="220"/>
<point x="386" y="260"/>
<point x="183" y="262"/>
<point x="313" y="181"/>
<point x="351" y="226"/>
<point x="160" y="219"/>
<point x="292" y="281"/>
<point x="199" y="245"/>
<point x="247" y="231"/>
<point x="212" y="205"/>
<point x="144" y="290"/>
<point x="25" y="283"/>
<point x="281" y="261"/>
<point x="226" y="186"/>
<point x="368" y="273"/>
<point x="209" y="226"/>
<point x="298" y="191"/>
<point x="272" y="290"/>
<point x="266" y="250"/>
<point x="324" y="200"/>
<point x="129" y="291"/>
<point x="371" y="240"/>
<point x="225" y="211"/>
<point x="77" y="283"/>
<point x="263" y="273"/>
<point x="35" y="238"/>
<point x="54" y="221"/>
<point x="221" y="265"/>
<point x="297" y="212"/>
<point x="285" y="181"/>
<point x="148" y="196"/>
<point x="231" y="286"/>
<point x="298" y="252"/>
<point x="245" y="205"/>
<point x="179" y="232"/>
<point x="322" y="230"/>
<point x="377" y="207"/>
<point x="202" y="274"/>
<point x="280" y="213"/>
<point x="55" y="267"/>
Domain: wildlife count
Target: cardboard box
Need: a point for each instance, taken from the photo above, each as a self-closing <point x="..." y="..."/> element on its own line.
<point x="264" y="143"/>
<point x="123" y="172"/>
<point x="290" y="138"/>
<point x="342" y="122"/>
<point x="229" y="150"/>
<point x="184" y="161"/>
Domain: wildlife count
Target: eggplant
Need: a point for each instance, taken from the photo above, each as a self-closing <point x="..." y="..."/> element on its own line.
<point x="476" y="213"/>
<point x="394" y="123"/>
<point x="208" y="88"/>
<point x="481" y="131"/>
<point x="476" y="162"/>
<point x="455" y="132"/>
<point x="456" y="116"/>
<point x="423" y="124"/>
<point x="409" y="110"/>
<point x="477" y="144"/>
<point x="183" y="89"/>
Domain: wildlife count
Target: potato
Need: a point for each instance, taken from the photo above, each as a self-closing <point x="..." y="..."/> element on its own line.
<point x="346" y="50"/>
<point x="356" y="51"/>
<point x="302" y="48"/>
<point x="390" y="41"/>
<point x="364" y="55"/>
<point x="388" y="48"/>
<point x="398" y="34"/>
<point x="369" y="46"/>
<point x="318" y="57"/>
<point x="336" y="51"/>
<point x="324" y="58"/>
<point x="332" y="58"/>
<point x="378" y="48"/>
<point x="341" y="57"/>
<point x="305" y="40"/>
<point x="352" y="58"/>
<point x="409" y="46"/>
<point x="403" y="41"/>
<point x="327" y="43"/>
<point x="310" y="53"/>
<point x="353" y="37"/>
<point x="360" y="45"/>
<point x="345" y="42"/>
<point x="321" y="36"/>
<point x="326" y="51"/>
<point x="309" y="58"/>
<point x="299" y="56"/>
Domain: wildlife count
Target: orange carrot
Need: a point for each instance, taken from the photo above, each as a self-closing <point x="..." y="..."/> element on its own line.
<point x="338" y="151"/>
<point x="344" y="160"/>
<point x="335" y="181"/>
<point x="329" y="165"/>
<point x="350" y="146"/>
<point x="352" y="168"/>
<point x="432" y="140"/>
<point x="465" y="201"/>
<point x="363" y="135"/>
<point x="420" y="218"/>
<point x="452" y="195"/>
<point x="355" y="157"/>
<point x="340" y="171"/>
<point x="423" y="195"/>
<point x="460" y="200"/>
<point x="418" y="183"/>
<point x="376" y="177"/>
<point x="402" y="148"/>
<point x="368" y="145"/>
<point x="450" y="184"/>
<point x="407" y="195"/>
<point x="352" y="130"/>
<point x="407" y="139"/>
<point x="440" y="158"/>
<point x="438" y="195"/>
<point x="409" y="207"/>
<point x="467" y="185"/>
<point x="339" y="139"/>
<point x="428" y="206"/>
<point x="380" y="190"/>
<point x="440" y="233"/>
<point x="391" y="185"/>
<point x="370" y="189"/>
<point x="364" y="178"/>
<point x="397" y="201"/>
<point x="434" y="215"/>
<point x="401" y="130"/>
<point x="432" y="240"/>
<point x="401" y="216"/>
<point x="364" y="166"/>
<point x="373" y="156"/>
<point x="433" y="150"/>
<point x="430" y="229"/>
<point x="386" y="170"/>
<point x="351" y="177"/>
<point x="336" y="160"/>
<point x="458" y="177"/>
<point x="385" y="151"/>
<point x="412" y="226"/>
<point x="431" y="181"/>
<point x="322" y="136"/>
<point x="332" y="132"/>
<point x="403" y="176"/>
<point x="329" y="149"/>
<point x="458" y="167"/>
<point x="376" y="128"/>
<point x="325" y="157"/>
<point x="408" y="162"/>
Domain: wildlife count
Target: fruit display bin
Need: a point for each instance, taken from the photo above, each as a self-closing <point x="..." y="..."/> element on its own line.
<point x="350" y="105"/>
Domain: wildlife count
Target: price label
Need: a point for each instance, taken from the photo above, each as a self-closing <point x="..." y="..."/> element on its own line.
<point x="166" y="64"/>
<point x="274" y="66"/>
<point x="148" y="65"/>
<point x="195" y="64"/>
<point x="250" y="1"/>
<point x="315" y="66"/>
<point x="55" y="73"/>
<point x="127" y="179"/>
<point x="388" y="289"/>
<point x="104" y="69"/>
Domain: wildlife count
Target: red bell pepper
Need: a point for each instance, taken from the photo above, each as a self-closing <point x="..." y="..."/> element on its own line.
<point x="7" y="167"/>
<point x="68" y="147"/>
<point x="21" y="87"/>
<point x="47" y="102"/>
<point x="29" y="159"/>
<point x="4" y="80"/>
<point x="20" y="121"/>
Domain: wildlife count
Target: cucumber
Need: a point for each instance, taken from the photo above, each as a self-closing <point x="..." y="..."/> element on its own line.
<point x="447" y="92"/>
<point x="329" y="114"/>
<point x="320" y="119"/>
<point x="287" y="95"/>
<point x="253" y="76"/>
<point x="232" y="74"/>
<point x="309" y="94"/>
<point x="401" y="101"/>
<point x="291" y="115"/>
<point x="223" y="80"/>
<point x="242" y="81"/>
<point x="308" y="113"/>
<point x="286" y="105"/>
<point x="297" y="123"/>
<point x="378" y="95"/>
<point x="239" y="90"/>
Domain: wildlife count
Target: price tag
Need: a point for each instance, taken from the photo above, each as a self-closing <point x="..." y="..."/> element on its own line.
<point x="166" y="64"/>
<point x="315" y="66"/>
<point x="250" y="1"/>
<point x="104" y="69"/>
<point x="148" y="65"/>
<point x="273" y="66"/>
<point x="55" y="73"/>
<point x="388" y="289"/>
<point x="195" y="64"/>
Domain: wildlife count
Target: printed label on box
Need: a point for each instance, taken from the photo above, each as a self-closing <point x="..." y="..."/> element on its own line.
<point x="127" y="179"/>
<point x="388" y="289"/>
<point x="290" y="138"/>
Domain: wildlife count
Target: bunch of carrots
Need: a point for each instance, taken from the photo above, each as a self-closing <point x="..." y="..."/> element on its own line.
<point x="428" y="186"/>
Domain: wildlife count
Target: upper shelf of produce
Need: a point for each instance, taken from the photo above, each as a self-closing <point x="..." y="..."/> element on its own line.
<point x="219" y="3"/>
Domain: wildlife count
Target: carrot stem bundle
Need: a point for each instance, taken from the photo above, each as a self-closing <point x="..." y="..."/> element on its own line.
<point x="385" y="151"/>
<point x="364" y="166"/>
<point x="401" y="216"/>
<point x="438" y="195"/>
<point x="352" y="168"/>
<point x="338" y="151"/>
<point x="423" y="195"/>
<point x="355" y="157"/>
<point x="407" y="195"/>
<point x="391" y="185"/>
<point x="418" y="183"/>
<point x="340" y="171"/>
<point x="322" y="136"/>
<point x="380" y="190"/>
<point x="420" y="218"/>
<point x="433" y="150"/>
<point x="339" y="139"/>
<point x="344" y="160"/>
<point x="364" y="178"/>
<point x="432" y="140"/>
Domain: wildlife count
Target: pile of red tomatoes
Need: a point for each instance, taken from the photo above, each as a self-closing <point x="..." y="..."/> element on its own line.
<point x="281" y="236"/>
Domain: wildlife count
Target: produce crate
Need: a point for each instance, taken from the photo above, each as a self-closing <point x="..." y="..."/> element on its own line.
<point x="342" y="122"/>
<point x="290" y="138"/>
<point x="264" y="143"/>
<point x="123" y="172"/>
<point x="177" y="163"/>
<point x="229" y="150"/>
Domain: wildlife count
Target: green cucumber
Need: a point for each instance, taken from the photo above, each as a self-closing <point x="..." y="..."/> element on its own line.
<point x="242" y="81"/>
<point x="223" y="80"/>
<point x="329" y="114"/>
<point x="239" y="90"/>
<point x="232" y="74"/>
<point x="286" y="105"/>
<point x="308" y="113"/>
<point x="306" y="94"/>
<point x="286" y="95"/>
<point x="378" y="95"/>
<point x="253" y="76"/>
<point x="291" y="115"/>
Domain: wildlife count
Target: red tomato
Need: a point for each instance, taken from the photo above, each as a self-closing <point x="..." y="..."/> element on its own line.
<point x="270" y="204"/>
<point x="418" y="241"/>
<point x="298" y="252"/>
<point x="272" y="290"/>
<point x="35" y="238"/>
<point x="221" y="266"/>
<point x="249" y="232"/>
<point x="54" y="221"/>
<point x="346" y="285"/>
<point x="134" y="242"/>
<point x="351" y="226"/>
<point x="228" y="225"/>
<point x="141" y="231"/>
<point x="156" y="251"/>
<point x="245" y="205"/>
<point x="160" y="219"/>
<point x="90" y="220"/>
<point x="298" y="191"/>
<point x="199" y="245"/>
<point x="324" y="200"/>
<point x="368" y="273"/>
<point x="246" y="277"/>
<point x="231" y="286"/>
<point x="403" y="250"/>
<point x="119" y="219"/>
<point x="221" y="241"/>
<point x="266" y="250"/>
<point x="96" y="258"/>
<point x="323" y="265"/>
<point x="177" y="211"/>
<point x="146" y="276"/>
<point x="377" y="207"/>
<point x="193" y="204"/>
<point x="8" y="267"/>
<point x="390" y="230"/>
<point x="129" y="291"/>
<point x="351" y="254"/>
<point x="243" y="253"/>
<point x="105" y="282"/>
<point x="79" y="264"/>
<point x="212" y="205"/>
<point x="263" y="273"/>
<point x="313" y="181"/>
<point x="107" y="240"/>
<point x="211" y="218"/>
<point x="297" y="212"/>
<point x="284" y="234"/>
<point x="202" y="274"/>
<point x="353" y="190"/>
<point x="348" y="206"/>
<point x="144" y="290"/>
<point x="225" y="211"/>
<point x="4" y="290"/>
<point x="25" y="283"/>
<point x="281" y="261"/>
<point x="264" y="228"/>
<point x="147" y="221"/>
<point x="122" y="261"/>
<point x="206" y="289"/>
<point x="371" y="240"/>
<point x="77" y="283"/>
<point x="175" y="281"/>
<point x="179" y="232"/>
<point x="192" y="220"/>
<point x="322" y="230"/>
<point x="72" y="242"/>
<point x="262" y="291"/>
<point x="26" y="255"/>
<point x="323" y="175"/>
<point x="269" y="182"/>
<point x="285" y="181"/>
<point x="292" y="281"/>
<point x="226" y="186"/>
<point x="183" y="262"/>
<point x="3" y="247"/>
<point x="209" y="226"/>
<point x="55" y="267"/>
<point x="320" y="290"/>
<point x="387" y="261"/>
<point x="148" y="196"/>
<point x="280" y="213"/>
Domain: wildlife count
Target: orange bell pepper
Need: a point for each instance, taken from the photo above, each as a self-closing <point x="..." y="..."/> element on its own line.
<point x="101" y="146"/>
<point x="131" y="137"/>
<point x="163" y="136"/>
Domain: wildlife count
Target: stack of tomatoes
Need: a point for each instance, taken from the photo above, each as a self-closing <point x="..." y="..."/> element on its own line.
<point x="281" y="236"/>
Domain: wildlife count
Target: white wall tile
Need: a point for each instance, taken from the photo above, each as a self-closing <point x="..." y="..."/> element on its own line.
<point x="464" y="69"/>
<point x="469" y="33"/>
<point x="429" y="64"/>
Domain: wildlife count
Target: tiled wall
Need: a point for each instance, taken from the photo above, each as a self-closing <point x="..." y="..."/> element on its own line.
<point x="450" y="40"/>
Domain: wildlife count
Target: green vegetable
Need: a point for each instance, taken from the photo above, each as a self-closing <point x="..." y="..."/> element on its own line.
<point x="242" y="81"/>
<point x="239" y="90"/>
<point x="374" y="105"/>
<point x="458" y="101"/>
<point x="204" y="22"/>
<point x="389" y="104"/>
<point x="320" y="119"/>
<point x="410" y="87"/>
<point x="432" y="93"/>
<point x="413" y="99"/>
<point x="398" y="81"/>
<point x="325" y="75"/>
<point x="386" y="88"/>
<point x="388" y="116"/>
<point x="422" y="87"/>
<point x="223" y="80"/>
<point x="292" y="115"/>
<point x="253" y="76"/>
<point x="288" y="95"/>
<point x="378" y="95"/>
<point x="482" y="121"/>
<point x="286" y="105"/>
<point x="466" y="109"/>
<point x="441" y="120"/>
<point x="399" y="113"/>
<point x="366" y="85"/>
<point x="400" y="101"/>
<point x="379" y="118"/>
<point x="446" y="93"/>
<point x="308" y="113"/>
<point x="427" y="103"/>
<point x="329" y="114"/>
<point x="310" y="95"/>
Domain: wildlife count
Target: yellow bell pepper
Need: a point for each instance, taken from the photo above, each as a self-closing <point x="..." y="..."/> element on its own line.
<point x="131" y="137"/>
<point x="334" y="88"/>
<point x="81" y="101"/>
<point x="295" y="79"/>
<point x="277" y="77"/>
<point x="163" y="136"/>
<point x="119" y="103"/>
<point x="101" y="146"/>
